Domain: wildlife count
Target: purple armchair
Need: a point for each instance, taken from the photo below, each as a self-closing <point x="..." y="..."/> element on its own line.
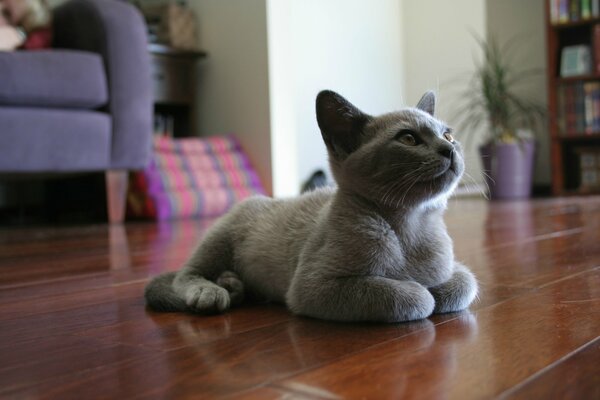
<point x="86" y="104"/>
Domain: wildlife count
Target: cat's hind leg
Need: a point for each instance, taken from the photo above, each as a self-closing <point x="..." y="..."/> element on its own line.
<point x="160" y="295"/>
<point x="457" y="293"/>
<point x="232" y="282"/>
<point x="195" y="288"/>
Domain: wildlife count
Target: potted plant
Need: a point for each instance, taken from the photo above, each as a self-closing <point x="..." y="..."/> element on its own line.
<point x="508" y="151"/>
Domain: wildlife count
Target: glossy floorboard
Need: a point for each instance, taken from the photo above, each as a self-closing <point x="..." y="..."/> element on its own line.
<point x="73" y="322"/>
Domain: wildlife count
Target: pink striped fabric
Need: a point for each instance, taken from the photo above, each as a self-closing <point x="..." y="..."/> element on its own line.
<point x="192" y="177"/>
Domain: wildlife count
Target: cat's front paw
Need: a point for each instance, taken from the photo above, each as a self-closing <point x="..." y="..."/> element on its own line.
<point x="457" y="293"/>
<point x="417" y="302"/>
<point x="203" y="298"/>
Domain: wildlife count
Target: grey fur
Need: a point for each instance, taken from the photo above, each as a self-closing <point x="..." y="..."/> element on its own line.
<point x="373" y="249"/>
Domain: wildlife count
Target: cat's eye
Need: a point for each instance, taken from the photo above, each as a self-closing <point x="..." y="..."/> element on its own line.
<point x="448" y="136"/>
<point x="407" y="137"/>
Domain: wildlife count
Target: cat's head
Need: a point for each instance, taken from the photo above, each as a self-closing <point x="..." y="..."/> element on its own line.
<point x="406" y="158"/>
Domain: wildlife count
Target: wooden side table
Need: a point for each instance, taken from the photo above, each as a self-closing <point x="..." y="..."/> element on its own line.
<point x="174" y="77"/>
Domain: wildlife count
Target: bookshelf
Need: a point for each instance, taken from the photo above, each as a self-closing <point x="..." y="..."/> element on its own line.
<point x="174" y="76"/>
<point x="573" y="101"/>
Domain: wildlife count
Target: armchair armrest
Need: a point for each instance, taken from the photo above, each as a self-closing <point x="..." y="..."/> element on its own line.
<point x="117" y="32"/>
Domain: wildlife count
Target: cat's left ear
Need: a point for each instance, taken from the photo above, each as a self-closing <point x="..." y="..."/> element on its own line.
<point x="341" y="123"/>
<point x="427" y="103"/>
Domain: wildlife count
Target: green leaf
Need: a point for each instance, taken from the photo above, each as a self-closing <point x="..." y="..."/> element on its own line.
<point x="491" y="93"/>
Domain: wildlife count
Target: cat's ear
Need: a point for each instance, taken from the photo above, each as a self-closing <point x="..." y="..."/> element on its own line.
<point x="427" y="103"/>
<point x="340" y="122"/>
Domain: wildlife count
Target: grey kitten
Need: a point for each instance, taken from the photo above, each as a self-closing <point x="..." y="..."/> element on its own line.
<point x="374" y="249"/>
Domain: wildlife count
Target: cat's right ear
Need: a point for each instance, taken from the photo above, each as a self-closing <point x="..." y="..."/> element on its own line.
<point x="427" y="103"/>
<point x="340" y="122"/>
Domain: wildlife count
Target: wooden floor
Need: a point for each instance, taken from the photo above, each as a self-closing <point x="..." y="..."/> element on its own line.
<point x="73" y="323"/>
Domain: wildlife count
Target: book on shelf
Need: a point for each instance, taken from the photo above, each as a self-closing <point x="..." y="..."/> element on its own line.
<point x="574" y="10"/>
<point x="564" y="11"/>
<point x="575" y="60"/>
<point x="589" y="168"/>
<point x="585" y="9"/>
<point x="554" y="11"/>
<point x="579" y="109"/>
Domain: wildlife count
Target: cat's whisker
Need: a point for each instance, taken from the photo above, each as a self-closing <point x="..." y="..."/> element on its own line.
<point x="427" y="168"/>
<point x="408" y="163"/>
<point x="398" y="171"/>
<point x="410" y="187"/>
<point x="476" y="184"/>
<point x="430" y="189"/>
<point x="488" y="176"/>
<point x="396" y="189"/>
<point x="405" y="192"/>
<point x="397" y="167"/>
<point x="397" y="185"/>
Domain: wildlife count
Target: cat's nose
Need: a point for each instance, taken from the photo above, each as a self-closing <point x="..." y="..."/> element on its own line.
<point x="446" y="151"/>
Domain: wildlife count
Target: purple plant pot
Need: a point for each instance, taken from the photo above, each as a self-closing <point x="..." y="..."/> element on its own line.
<point x="508" y="169"/>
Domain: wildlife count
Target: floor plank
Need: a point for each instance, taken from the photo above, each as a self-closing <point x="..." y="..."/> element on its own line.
<point x="576" y="377"/>
<point x="57" y="358"/>
<point x="534" y="264"/>
<point x="271" y="393"/>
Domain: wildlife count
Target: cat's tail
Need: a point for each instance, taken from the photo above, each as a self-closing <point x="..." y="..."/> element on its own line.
<point x="160" y="295"/>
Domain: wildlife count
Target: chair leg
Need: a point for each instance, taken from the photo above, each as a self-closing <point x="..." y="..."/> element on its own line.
<point x="116" y="192"/>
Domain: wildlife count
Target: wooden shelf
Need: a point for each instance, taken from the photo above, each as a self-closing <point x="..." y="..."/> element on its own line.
<point x="174" y="74"/>
<point x="163" y="49"/>
<point x="580" y="192"/>
<point x="575" y="24"/>
<point x="578" y="78"/>
<point x="579" y="136"/>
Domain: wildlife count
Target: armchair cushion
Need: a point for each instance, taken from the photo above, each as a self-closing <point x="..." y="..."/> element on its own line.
<point x="52" y="78"/>
<point x="53" y="140"/>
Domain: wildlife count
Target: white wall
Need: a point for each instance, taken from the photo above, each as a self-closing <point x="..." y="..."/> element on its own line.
<point x="351" y="46"/>
<point x="233" y="91"/>
<point x="269" y="58"/>
<point x="439" y="53"/>
<point x="506" y="20"/>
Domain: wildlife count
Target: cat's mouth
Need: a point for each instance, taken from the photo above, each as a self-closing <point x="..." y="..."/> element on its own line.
<point x="449" y="169"/>
<point x="445" y="172"/>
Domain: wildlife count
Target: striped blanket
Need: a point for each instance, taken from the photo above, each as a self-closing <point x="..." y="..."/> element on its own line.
<point x="192" y="177"/>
